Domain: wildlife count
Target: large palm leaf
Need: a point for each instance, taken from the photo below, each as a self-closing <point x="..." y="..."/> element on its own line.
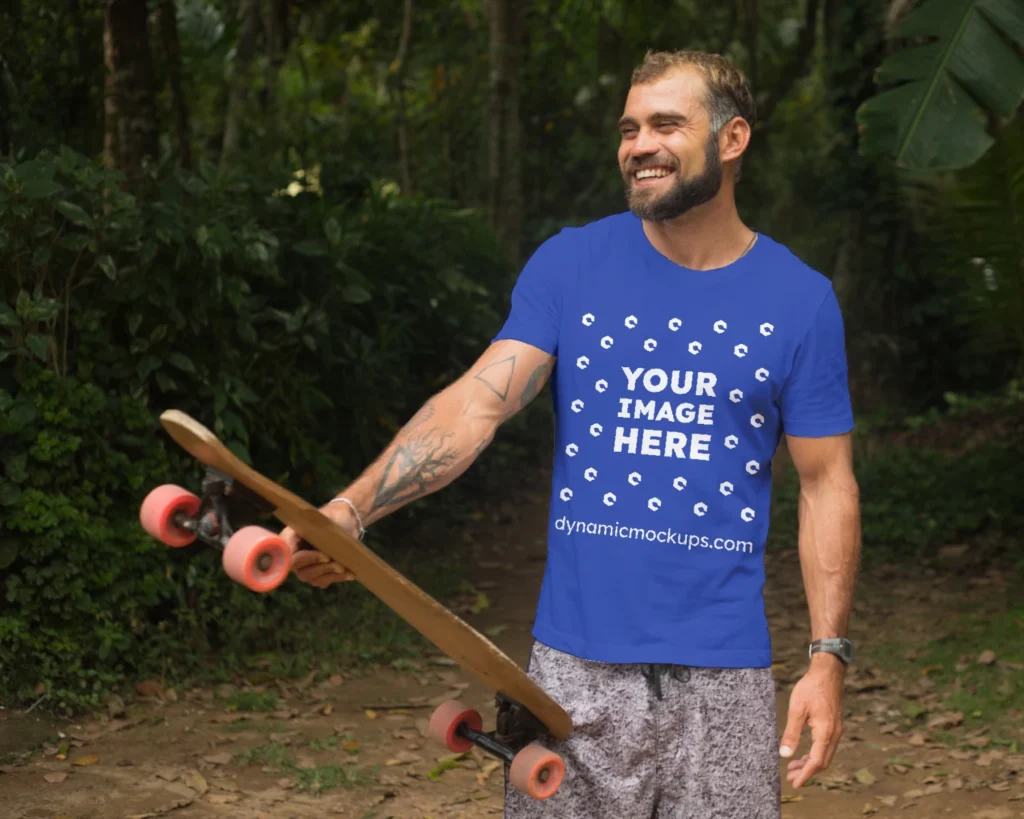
<point x="969" y="66"/>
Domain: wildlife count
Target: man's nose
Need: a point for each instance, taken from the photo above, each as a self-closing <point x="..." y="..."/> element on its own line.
<point x="645" y="144"/>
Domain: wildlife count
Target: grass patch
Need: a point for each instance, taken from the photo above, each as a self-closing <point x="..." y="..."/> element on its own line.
<point x="984" y="693"/>
<point x="279" y="760"/>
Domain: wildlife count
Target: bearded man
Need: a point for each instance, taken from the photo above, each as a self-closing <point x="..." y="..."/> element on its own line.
<point x="681" y="345"/>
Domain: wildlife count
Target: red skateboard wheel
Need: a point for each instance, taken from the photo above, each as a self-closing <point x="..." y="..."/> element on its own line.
<point x="447" y="718"/>
<point x="257" y="558"/>
<point x="158" y="511"/>
<point x="536" y="771"/>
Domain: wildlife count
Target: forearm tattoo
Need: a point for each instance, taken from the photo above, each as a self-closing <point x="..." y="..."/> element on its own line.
<point x="417" y="462"/>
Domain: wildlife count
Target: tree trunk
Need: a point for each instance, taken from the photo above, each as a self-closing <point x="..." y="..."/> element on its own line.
<point x="130" y="137"/>
<point x="168" y="23"/>
<point x="403" y="125"/>
<point x="248" y="13"/>
<point x="5" y="111"/>
<point x="504" y="143"/>
<point x="277" y="36"/>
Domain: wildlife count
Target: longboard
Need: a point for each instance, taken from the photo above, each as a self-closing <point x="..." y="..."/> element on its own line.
<point x="259" y="559"/>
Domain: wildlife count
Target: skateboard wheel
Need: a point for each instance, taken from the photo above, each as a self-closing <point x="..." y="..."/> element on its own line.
<point x="257" y="559"/>
<point x="158" y="512"/>
<point x="447" y="718"/>
<point x="536" y="771"/>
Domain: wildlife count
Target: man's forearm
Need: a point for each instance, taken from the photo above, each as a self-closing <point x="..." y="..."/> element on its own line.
<point x="438" y="444"/>
<point x="830" y="542"/>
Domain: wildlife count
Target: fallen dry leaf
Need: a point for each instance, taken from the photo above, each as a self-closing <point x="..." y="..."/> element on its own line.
<point x="955" y="784"/>
<point x="218" y="759"/>
<point x="82" y="761"/>
<point x="987" y="657"/>
<point x="993" y="813"/>
<point x="223" y="798"/>
<point x="917" y="738"/>
<point x="370" y="713"/>
<point x="404" y="758"/>
<point x="869" y="809"/>
<point x="167" y="774"/>
<point x="150" y="688"/>
<point x="999" y="787"/>
<point x="865" y="777"/>
<point x="487" y="770"/>
<point x="55" y="778"/>
<point x="792" y="798"/>
<point x="197" y="782"/>
<point x="888" y="801"/>
<point x="949" y="720"/>
<point x="916" y="793"/>
<point x="985" y="760"/>
<point x="180" y="790"/>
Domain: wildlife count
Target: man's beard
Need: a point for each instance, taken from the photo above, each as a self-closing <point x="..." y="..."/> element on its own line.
<point x="683" y="195"/>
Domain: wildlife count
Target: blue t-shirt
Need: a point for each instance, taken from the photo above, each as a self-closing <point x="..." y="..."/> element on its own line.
<point x="672" y="389"/>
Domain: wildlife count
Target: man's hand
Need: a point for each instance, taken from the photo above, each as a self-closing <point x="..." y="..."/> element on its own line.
<point x="817" y="701"/>
<point x="312" y="566"/>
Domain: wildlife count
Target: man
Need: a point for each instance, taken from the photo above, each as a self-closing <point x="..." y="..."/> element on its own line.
<point x="686" y="345"/>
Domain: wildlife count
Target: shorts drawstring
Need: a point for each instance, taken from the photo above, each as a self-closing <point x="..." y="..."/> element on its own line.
<point x="653" y="672"/>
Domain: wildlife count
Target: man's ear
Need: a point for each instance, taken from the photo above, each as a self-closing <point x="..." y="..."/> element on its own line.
<point x="733" y="139"/>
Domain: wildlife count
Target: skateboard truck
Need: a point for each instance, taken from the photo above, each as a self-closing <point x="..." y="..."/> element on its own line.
<point x="255" y="557"/>
<point x="532" y="768"/>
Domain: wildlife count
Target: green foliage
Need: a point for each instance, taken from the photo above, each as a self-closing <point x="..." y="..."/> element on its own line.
<point x="79" y="577"/>
<point x="976" y="222"/>
<point x="969" y="66"/>
<point x="916" y="497"/>
<point x="304" y="329"/>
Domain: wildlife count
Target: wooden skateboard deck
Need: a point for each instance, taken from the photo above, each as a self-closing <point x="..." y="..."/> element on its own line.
<point x="452" y="635"/>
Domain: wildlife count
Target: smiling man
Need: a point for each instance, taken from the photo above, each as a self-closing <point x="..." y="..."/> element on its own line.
<point x="681" y="346"/>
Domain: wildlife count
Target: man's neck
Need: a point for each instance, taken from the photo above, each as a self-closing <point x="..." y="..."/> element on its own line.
<point x="707" y="237"/>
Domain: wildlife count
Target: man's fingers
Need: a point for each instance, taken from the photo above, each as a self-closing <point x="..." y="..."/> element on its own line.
<point x="291" y="538"/>
<point x="833" y="744"/>
<point x="815" y="760"/>
<point x="794" y="727"/>
<point x="308" y="557"/>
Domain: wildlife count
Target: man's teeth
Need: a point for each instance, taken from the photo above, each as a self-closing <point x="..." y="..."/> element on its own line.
<point x="652" y="173"/>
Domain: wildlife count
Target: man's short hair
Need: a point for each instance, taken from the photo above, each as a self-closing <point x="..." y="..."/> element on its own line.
<point x="729" y="93"/>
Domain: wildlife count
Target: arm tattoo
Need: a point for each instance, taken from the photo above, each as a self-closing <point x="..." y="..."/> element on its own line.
<point x="498" y="376"/>
<point x="415" y="464"/>
<point x="536" y="383"/>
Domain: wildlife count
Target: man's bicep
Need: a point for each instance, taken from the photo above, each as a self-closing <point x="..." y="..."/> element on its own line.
<point x="829" y="456"/>
<point x="507" y="377"/>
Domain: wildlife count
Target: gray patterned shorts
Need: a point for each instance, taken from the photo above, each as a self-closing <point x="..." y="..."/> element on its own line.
<point x="658" y="742"/>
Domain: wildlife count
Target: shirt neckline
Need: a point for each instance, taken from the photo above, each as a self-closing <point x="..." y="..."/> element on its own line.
<point x="661" y="264"/>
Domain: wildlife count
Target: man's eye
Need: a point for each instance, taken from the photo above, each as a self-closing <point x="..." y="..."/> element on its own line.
<point x="666" y="126"/>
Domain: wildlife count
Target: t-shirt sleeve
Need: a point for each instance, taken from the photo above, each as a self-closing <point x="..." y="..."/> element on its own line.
<point x="815" y="400"/>
<point x="536" y="310"/>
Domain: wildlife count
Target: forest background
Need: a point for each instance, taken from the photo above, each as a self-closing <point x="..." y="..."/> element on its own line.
<point x="296" y="219"/>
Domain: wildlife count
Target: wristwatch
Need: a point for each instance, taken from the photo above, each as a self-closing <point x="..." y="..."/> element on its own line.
<point x="839" y="646"/>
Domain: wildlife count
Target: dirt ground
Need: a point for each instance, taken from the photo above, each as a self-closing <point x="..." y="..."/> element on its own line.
<point x="185" y="755"/>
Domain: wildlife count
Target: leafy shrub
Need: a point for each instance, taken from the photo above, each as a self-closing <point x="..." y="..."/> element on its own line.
<point x="303" y="329"/>
<point x="916" y="496"/>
